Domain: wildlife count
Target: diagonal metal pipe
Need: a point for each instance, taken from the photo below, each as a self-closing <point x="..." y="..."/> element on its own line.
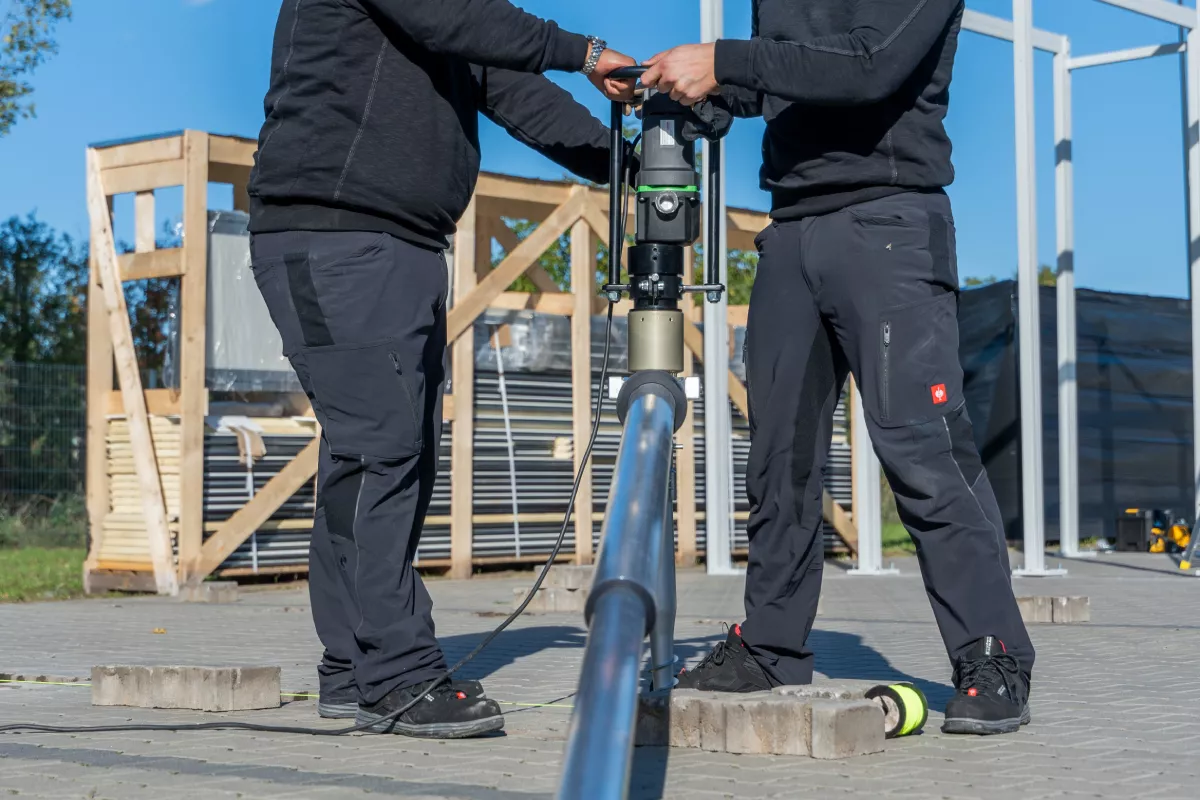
<point x="622" y="607"/>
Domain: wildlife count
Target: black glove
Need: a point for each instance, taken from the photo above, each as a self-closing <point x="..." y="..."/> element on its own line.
<point x="707" y="120"/>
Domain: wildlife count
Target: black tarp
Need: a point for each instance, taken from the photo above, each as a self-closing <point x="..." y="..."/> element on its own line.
<point x="1135" y="414"/>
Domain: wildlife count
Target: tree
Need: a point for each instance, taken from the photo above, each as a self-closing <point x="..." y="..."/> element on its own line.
<point x="1047" y="276"/>
<point x="28" y="40"/>
<point x="974" y="281"/>
<point x="43" y="294"/>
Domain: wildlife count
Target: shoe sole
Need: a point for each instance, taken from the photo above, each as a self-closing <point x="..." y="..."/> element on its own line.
<point x="980" y="727"/>
<point x="376" y="723"/>
<point x="337" y="710"/>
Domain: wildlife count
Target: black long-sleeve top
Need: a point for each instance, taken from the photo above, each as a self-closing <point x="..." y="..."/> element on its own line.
<point x="372" y="112"/>
<point x="854" y="93"/>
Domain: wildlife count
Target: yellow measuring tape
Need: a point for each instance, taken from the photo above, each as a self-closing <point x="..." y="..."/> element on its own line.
<point x="905" y="708"/>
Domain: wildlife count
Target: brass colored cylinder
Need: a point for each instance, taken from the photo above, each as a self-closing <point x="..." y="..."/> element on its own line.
<point x="656" y="341"/>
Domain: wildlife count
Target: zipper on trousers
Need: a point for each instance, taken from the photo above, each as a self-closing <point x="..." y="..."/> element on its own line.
<point x="886" y="399"/>
<point x="412" y="400"/>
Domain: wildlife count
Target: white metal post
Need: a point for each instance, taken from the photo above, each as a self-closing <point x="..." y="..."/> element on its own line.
<point x="1192" y="140"/>
<point x="1068" y="389"/>
<point x="1032" y="508"/>
<point x="867" y="490"/>
<point x="718" y="432"/>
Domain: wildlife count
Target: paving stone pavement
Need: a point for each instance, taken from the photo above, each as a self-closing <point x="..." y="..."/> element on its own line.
<point x="1112" y="716"/>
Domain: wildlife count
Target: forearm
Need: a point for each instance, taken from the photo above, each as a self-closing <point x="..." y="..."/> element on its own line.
<point x="542" y="115"/>
<point x="887" y="41"/>
<point x="489" y="32"/>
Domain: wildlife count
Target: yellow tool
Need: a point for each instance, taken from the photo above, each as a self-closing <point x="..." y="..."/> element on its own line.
<point x="905" y="708"/>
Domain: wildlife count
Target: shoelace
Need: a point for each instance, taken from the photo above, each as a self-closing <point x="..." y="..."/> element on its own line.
<point x="990" y="672"/>
<point x="716" y="656"/>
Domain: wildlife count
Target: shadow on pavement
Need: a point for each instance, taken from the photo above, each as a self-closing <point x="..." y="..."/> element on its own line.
<point x="843" y="655"/>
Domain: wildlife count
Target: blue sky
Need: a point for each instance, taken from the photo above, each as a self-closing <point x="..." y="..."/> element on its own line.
<point x="132" y="67"/>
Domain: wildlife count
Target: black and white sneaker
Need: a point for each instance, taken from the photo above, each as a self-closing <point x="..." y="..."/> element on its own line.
<point x="992" y="694"/>
<point x="344" y="704"/>
<point x="728" y="668"/>
<point x="445" y="711"/>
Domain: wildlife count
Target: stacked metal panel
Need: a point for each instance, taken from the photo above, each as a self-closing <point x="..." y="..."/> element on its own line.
<point x="539" y="409"/>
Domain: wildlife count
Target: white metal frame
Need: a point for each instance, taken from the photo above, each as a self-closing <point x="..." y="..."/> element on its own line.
<point x="1026" y="40"/>
<point x="718" y="427"/>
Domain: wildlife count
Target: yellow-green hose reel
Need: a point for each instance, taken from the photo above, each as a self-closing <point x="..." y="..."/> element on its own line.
<point x="904" y="706"/>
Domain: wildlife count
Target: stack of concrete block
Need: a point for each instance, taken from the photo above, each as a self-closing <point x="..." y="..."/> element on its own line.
<point x="564" y="590"/>
<point x="1060" y="610"/>
<point x="828" y="721"/>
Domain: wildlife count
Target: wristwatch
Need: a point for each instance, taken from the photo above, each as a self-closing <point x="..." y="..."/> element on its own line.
<point x="596" y="47"/>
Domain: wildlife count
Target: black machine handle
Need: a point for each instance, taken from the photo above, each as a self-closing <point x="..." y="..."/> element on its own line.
<point x="712" y="287"/>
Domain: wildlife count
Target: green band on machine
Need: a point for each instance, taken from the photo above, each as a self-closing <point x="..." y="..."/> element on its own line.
<point x="641" y="189"/>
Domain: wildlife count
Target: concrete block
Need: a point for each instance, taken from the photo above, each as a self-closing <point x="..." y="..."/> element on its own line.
<point x="829" y="690"/>
<point x="570" y="577"/>
<point x="720" y="722"/>
<point x="201" y="688"/>
<point x="1068" y="610"/>
<point x="553" y="599"/>
<point x="1035" y="609"/>
<point x="845" y="728"/>
<point x="768" y="725"/>
<point x="209" y="592"/>
<point x="1060" y="610"/>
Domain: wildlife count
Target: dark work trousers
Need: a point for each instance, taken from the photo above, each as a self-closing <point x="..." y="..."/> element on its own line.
<point x="363" y="322"/>
<point x="873" y="290"/>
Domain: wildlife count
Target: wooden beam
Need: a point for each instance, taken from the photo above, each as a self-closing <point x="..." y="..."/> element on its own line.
<point x="193" y="353"/>
<point x="557" y="303"/>
<point x="232" y="150"/>
<point x="523" y="190"/>
<point x="228" y="173"/>
<point x="738" y="316"/>
<point x="583" y="285"/>
<point x="143" y="177"/>
<point x="159" y="403"/>
<point x="166" y="263"/>
<point x="250" y="517"/>
<point x="462" y="446"/>
<point x="99" y="386"/>
<point x="537" y="273"/>
<point x="469" y="306"/>
<point x="833" y="512"/>
<point x="131" y="155"/>
<point x="142" y="446"/>
<point x="144" y="238"/>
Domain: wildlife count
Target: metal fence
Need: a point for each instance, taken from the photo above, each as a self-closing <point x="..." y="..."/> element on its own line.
<point x="43" y="426"/>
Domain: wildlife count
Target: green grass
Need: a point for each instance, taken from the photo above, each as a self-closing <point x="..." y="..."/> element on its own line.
<point x="43" y="543"/>
<point x="896" y="540"/>
<point x="41" y="573"/>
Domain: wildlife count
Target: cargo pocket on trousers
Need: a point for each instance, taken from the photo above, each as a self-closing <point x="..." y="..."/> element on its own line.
<point x="368" y="400"/>
<point x="920" y="378"/>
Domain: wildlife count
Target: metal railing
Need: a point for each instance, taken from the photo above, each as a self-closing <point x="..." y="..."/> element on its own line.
<point x="633" y="594"/>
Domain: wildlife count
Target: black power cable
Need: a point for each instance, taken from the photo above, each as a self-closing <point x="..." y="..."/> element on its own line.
<point x="479" y="648"/>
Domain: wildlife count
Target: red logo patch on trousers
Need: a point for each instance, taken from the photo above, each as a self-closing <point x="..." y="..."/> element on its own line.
<point x="939" y="394"/>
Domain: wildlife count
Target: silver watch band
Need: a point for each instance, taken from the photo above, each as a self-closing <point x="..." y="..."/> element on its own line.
<point x="598" y="46"/>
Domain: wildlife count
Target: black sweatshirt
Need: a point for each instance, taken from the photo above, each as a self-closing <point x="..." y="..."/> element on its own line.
<point x="372" y="113"/>
<point x="854" y="93"/>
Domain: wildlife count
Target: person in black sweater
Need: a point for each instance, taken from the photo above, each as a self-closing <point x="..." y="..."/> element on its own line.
<point x="368" y="157"/>
<point x="857" y="274"/>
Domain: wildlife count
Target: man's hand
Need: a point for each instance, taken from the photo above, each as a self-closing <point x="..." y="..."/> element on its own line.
<point x="687" y="73"/>
<point x="613" y="90"/>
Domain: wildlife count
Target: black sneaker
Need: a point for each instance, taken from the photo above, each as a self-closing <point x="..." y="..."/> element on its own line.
<point x="344" y="705"/>
<point x="728" y="668"/>
<point x="445" y="711"/>
<point x="992" y="693"/>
